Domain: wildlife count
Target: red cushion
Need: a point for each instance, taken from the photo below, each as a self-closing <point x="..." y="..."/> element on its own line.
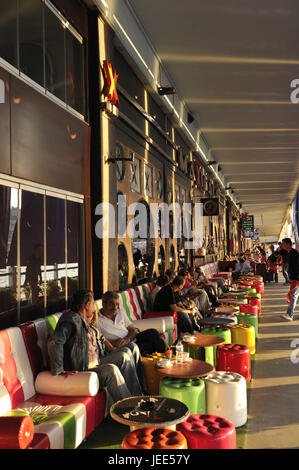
<point x="161" y="314"/>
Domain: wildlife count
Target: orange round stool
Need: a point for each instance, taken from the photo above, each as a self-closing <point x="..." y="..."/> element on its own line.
<point x="152" y="377"/>
<point x="154" y="438"/>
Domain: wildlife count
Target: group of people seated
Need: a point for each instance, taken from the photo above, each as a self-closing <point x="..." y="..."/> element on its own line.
<point x="110" y="345"/>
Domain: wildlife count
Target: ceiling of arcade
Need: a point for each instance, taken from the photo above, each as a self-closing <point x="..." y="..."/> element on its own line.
<point x="232" y="63"/>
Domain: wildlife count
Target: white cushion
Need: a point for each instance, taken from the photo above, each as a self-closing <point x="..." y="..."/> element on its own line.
<point x="81" y="384"/>
<point x="158" y="324"/>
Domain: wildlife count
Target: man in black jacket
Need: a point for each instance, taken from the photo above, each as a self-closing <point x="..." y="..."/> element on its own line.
<point x="76" y="345"/>
<point x="293" y="269"/>
<point x="284" y="256"/>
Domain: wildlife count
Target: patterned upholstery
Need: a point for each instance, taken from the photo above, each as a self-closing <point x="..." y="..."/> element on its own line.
<point x="135" y="302"/>
<point x="60" y="422"/>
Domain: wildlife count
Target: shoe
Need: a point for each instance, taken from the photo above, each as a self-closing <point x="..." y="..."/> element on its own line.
<point x="286" y="317"/>
<point x="286" y="283"/>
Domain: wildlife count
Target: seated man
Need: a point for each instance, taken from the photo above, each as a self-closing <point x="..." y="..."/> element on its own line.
<point x="76" y="346"/>
<point x="120" y="331"/>
<point x="166" y="302"/>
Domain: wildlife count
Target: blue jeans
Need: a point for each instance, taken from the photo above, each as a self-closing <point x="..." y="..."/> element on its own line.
<point x="285" y="272"/>
<point x="293" y="300"/>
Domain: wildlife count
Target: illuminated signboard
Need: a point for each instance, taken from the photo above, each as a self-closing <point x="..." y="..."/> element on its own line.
<point x="110" y="78"/>
<point x="248" y="226"/>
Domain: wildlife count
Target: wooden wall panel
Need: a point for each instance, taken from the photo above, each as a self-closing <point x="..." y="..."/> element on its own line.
<point x="49" y="145"/>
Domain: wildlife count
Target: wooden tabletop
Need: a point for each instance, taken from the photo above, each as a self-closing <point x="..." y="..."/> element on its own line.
<point x="231" y="301"/>
<point x="226" y="310"/>
<point x="204" y="341"/>
<point x="187" y="370"/>
<point x="164" y="412"/>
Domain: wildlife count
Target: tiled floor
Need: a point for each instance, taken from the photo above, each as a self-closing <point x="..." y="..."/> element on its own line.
<point x="273" y="394"/>
<point x="273" y="421"/>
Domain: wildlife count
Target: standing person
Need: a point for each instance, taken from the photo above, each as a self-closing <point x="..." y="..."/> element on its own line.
<point x="273" y="263"/>
<point x="284" y="255"/>
<point x="293" y="270"/>
<point x="76" y="345"/>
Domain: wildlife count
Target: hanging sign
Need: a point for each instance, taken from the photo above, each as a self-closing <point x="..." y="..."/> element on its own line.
<point x="110" y="78"/>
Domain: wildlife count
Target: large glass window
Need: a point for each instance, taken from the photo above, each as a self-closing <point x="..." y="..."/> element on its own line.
<point x="31" y="39"/>
<point x="32" y="249"/>
<point x="75" y="72"/>
<point x="55" y="55"/>
<point x="8" y="31"/>
<point x="55" y="251"/>
<point x="74" y="242"/>
<point x="36" y="38"/>
<point x="143" y="245"/>
<point x="123" y="267"/>
<point x="8" y="261"/>
<point x="41" y="256"/>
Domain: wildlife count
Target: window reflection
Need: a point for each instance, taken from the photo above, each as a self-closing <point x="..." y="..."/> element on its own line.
<point x="161" y="260"/>
<point x="8" y="265"/>
<point x="31" y="39"/>
<point x="123" y="267"/>
<point x="32" y="284"/>
<point x="172" y="262"/>
<point x="75" y="72"/>
<point x="31" y="248"/>
<point x="143" y="246"/>
<point x="54" y="55"/>
<point x="73" y="247"/>
<point x="55" y="250"/>
<point x="8" y="31"/>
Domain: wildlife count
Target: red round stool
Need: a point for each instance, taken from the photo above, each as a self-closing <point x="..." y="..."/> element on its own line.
<point x="234" y="358"/>
<point x="16" y="432"/>
<point x="253" y="309"/>
<point x="255" y="302"/>
<point x="208" y="432"/>
<point x="154" y="438"/>
<point x="259" y="288"/>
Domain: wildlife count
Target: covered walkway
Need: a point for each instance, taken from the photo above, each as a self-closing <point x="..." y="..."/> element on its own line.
<point x="273" y="421"/>
<point x="273" y="411"/>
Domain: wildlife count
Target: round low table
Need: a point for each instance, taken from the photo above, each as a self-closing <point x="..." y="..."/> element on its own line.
<point x="226" y="310"/>
<point x="149" y="411"/>
<point x="212" y="321"/>
<point x="203" y="341"/>
<point x="202" y="347"/>
<point x="187" y="370"/>
<point x="232" y="301"/>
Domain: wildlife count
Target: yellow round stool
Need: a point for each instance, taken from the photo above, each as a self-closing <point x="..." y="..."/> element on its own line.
<point x="150" y="372"/>
<point x="244" y="334"/>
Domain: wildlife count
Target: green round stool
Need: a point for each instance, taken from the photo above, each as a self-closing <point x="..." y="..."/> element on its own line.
<point x="248" y="319"/>
<point x="203" y="354"/>
<point x="191" y="392"/>
<point x="252" y="290"/>
<point x="221" y="331"/>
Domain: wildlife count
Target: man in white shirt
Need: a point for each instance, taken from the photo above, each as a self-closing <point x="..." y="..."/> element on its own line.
<point x="117" y="328"/>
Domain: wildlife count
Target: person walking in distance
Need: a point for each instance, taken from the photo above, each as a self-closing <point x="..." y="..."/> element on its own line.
<point x="293" y="270"/>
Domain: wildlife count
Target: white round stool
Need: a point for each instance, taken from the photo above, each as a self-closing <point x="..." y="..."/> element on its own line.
<point x="226" y="396"/>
